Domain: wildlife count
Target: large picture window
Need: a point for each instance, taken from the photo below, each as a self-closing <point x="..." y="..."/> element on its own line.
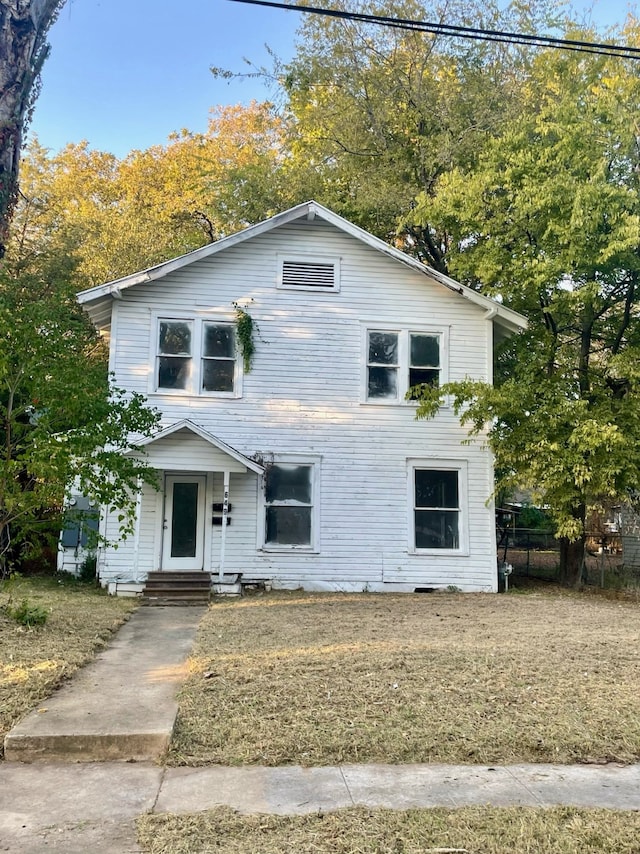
<point x="438" y="506"/>
<point x="398" y="359"/>
<point x="290" y="505"/>
<point x="196" y="357"/>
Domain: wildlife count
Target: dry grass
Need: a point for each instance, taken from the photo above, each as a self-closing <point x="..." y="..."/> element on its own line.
<point x="476" y="830"/>
<point x="33" y="662"/>
<point x="324" y="679"/>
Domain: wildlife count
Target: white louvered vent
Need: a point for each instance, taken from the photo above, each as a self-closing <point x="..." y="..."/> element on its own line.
<point x="309" y="274"/>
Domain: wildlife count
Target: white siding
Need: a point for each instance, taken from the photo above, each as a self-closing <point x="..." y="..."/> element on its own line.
<point x="304" y="396"/>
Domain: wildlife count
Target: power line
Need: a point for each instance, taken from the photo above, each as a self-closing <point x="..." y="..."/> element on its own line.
<point x="476" y="33"/>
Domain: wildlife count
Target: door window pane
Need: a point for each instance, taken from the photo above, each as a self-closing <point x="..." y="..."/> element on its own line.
<point x="184" y="520"/>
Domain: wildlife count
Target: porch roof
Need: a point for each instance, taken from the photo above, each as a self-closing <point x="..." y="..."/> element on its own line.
<point x="186" y="446"/>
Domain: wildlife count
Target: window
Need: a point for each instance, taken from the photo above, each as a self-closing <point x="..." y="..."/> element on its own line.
<point x="174" y="354"/>
<point x="290" y="505"/>
<point x="397" y="360"/>
<point x="304" y="273"/>
<point x="438" y="496"/>
<point x="218" y="357"/>
<point x="196" y="357"/>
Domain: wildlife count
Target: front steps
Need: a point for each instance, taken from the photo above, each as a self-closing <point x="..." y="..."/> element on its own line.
<point x="177" y="588"/>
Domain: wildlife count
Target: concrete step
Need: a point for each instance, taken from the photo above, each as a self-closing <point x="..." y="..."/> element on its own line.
<point x="170" y="599"/>
<point x="177" y="588"/>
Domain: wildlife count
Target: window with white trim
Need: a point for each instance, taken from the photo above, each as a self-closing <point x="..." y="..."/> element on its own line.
<point x="290" y="505"/>
<point x="398" y="359"/>
<point x="438" y="497"/>
<point x="307" y="273"/>
<point x="196" y="357"/>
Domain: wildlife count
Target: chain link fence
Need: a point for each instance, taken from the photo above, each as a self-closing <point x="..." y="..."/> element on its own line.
<point x="535" y="553"/>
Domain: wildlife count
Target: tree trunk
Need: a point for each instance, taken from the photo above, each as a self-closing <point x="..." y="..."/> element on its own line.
<point x="24" y="25"/>
<point x="571" y="561"/>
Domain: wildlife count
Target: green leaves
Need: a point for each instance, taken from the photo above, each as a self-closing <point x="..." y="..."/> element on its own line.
<point x="61" y="420"/>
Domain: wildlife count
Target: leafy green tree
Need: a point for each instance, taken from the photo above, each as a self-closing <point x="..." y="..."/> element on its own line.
<point x="61" y="421"/>
<point x="548" y="220"/>
<point x="379" y="114"/>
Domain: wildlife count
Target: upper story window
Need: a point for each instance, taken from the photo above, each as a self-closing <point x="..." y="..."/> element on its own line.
<point x="196" y="357"/>
<point x="398" y="359"/>
<point x="306" y="273"/>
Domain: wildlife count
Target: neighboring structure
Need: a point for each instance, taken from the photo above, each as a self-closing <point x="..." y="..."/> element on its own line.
<point x="314" y="457"/>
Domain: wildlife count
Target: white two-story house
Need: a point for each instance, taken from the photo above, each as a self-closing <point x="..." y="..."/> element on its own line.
<point x="310" y="469"/>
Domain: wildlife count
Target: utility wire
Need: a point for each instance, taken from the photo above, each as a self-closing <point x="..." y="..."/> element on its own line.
<point x="477" y="33"/>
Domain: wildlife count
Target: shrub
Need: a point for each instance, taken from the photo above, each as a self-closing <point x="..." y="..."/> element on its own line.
<point x="28" y="614"/>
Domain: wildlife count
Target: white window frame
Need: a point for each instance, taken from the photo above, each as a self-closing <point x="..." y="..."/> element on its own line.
<point x="193" y="388"/>
<point x="404" y="332"/>
<point x="432" y="464"/>
<point x="313" y="547"/>
<point x="309" y="259"/>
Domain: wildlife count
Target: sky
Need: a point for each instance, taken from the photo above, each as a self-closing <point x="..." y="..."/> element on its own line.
<point x="124" y="74"/>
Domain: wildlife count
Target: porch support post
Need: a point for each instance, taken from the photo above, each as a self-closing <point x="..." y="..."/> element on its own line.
<point x="225" y="518"/>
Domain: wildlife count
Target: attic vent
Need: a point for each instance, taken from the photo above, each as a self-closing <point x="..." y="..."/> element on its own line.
<point x="309" y="274"/>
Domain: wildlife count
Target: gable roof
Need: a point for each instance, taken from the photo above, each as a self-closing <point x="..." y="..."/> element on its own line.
<point x="194" y="428"/>
<point x="97" y="300"/>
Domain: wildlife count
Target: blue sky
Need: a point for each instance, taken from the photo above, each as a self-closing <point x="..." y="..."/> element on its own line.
<point x="124" y="74"/>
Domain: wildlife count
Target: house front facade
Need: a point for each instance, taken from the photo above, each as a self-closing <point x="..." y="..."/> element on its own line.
<point x="306" y="467"/>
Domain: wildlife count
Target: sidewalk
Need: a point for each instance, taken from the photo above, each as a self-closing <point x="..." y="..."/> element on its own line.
<point x="92" y="807"/>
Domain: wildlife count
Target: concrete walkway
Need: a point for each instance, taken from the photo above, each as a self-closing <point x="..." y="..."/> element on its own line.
<point x="123" y="706"/>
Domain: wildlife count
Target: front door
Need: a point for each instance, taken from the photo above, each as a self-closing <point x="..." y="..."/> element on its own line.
<point x="184" y="511"/>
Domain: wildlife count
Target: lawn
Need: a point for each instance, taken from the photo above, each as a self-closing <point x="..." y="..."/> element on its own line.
<point x="476" y="830"/>
<point x="34" y="661"/>
<point x="322" y="679"/>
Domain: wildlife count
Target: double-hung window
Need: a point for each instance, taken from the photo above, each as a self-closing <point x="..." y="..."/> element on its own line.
<point x="399" y="359"/>
<point x="438" y="497"/>
<point x="196" y="357"/>
<point x="290" y="505"/>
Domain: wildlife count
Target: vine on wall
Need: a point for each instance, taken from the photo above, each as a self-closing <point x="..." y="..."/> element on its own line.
<point x="245" y="328"/>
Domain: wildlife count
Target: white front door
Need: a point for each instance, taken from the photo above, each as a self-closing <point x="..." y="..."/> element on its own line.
<point x="184" y="517"/>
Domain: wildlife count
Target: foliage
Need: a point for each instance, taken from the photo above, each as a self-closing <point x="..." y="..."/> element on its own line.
<point x="119" y="216"/>
<point x="61" y="419"/>
<point x="244" y="330"/>
<point x="24" y="25"/>
<point x="27" y="613"/>
<point x="380" y="114"/>
<point x="549" y="221"/>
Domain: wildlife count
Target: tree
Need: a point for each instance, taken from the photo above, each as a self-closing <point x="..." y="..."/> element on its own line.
<point x="380" y="114"/>
<point x="548" y="220"/>
<point x="24" y="25"/>
<point x="61" y="421"/>
<point x="119" y="216"/>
